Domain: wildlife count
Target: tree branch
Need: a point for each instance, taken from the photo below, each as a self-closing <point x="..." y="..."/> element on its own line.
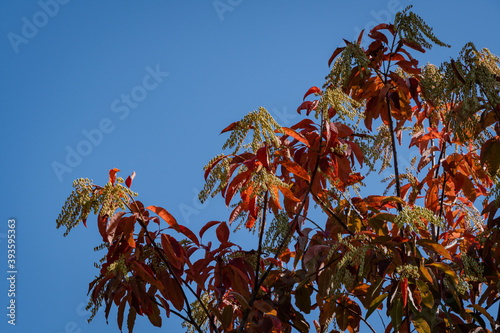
<point x="176" y="278"/>
<point x="244" y="318"/>
<point x="261" y="233"/>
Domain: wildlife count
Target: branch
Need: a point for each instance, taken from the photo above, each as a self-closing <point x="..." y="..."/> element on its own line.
<point x="244" y="318"/>
<point x="391" y="129"/>
<point x="176" y="278"/>
<point x="261" y="233"/>
<point x="332" y="214"/>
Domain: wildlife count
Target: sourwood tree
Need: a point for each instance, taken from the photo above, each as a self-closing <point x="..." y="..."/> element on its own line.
<point x="329" y="251"/>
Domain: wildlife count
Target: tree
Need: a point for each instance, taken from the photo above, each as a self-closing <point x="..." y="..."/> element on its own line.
<point x="427" y="256"/>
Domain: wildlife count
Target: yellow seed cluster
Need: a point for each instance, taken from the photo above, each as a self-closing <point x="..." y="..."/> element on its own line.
<point x="410" y="26"/>
<point x="263" y="125"/>
<point x="408" y="271"/>
<point x="95" y="306"/>
<point x="473" y="270"/>
<point x="119" y="266"/>
<point x="276" y="232"/>
<point x="345" y="106"/>
<point x="414" y="218"/>
<point x="353" y="54"/>
<point x="342" y="279"/>
<point x="87" y="197"/>
<point x="199" y="314"/>
<point x="471" y="78"/>
<point x="379" y="148"/>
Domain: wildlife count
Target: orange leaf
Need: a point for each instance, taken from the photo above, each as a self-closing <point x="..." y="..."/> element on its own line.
<point x="296" y="169"/>
<point x="275" y="196"/>
<point x="166" y="216"/>
<point x="112" y="175"/>
<point x="236" y="184"/>
<point x="295" y="135"/>
<point x="312" y="90"/>
<point x="288" y="194"/>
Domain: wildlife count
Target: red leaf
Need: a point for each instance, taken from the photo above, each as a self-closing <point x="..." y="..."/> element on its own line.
<point x="308" y="105"/>
<point x="168" y="243"/>
<point x="378" y="36"/>
<point x="404" y="290"/>
<point x="295" y="135"/>
<point x="357" y="152"/>
<point x="222" y="232"/>
<point x="296" y="169"/>
<point x="166" y="216"/>
<point x="432" y="198"/>
<point x="275" y="195"/>
<point x="207" y="226"/>
<point x="335" y="54"/>
<point x="381" y="26"/>
<point x="189" y="234"/>
<point x="263" y="156"/>
<point x="102" y="221"/>
<point x="113" y="223"/>
<point x="112" y="175"/>
<point x="230" y="127"/>
<point x="412" y="45"/>
<point x="407" y="66"/>
<point x="250" y="222"/>
<point x="288" y="194"/>
<point x="236" y="184"/>
<point x="236" y="211"/>
<point x="129" y="180"/>
<point x="360" y="37"/>
<point x="312" y="90"/>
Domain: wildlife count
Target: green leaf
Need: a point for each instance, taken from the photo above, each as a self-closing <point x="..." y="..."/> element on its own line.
<point x="425" y="294"/>
<point x="397" y="313"/>
<point x="375" y="303"/>
<point x="421" y="325"/>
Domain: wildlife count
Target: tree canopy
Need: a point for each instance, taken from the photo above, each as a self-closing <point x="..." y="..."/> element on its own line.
<point x="329" y="251"/>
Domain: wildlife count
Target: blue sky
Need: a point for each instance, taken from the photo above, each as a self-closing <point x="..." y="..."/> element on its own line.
<point x="147" y="86"/>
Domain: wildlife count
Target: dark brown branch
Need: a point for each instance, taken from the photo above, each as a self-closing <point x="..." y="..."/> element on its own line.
<point x="293" y="224"/>
<point x="261" y="233"/>
<point x="176" y="278"/>
<point x="332" y="214"/>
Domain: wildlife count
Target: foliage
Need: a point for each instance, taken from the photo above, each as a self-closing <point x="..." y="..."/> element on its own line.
<point x="427" y="256"/>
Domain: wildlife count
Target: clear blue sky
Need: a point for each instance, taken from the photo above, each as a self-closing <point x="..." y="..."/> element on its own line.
<point x="188" y="70"/>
